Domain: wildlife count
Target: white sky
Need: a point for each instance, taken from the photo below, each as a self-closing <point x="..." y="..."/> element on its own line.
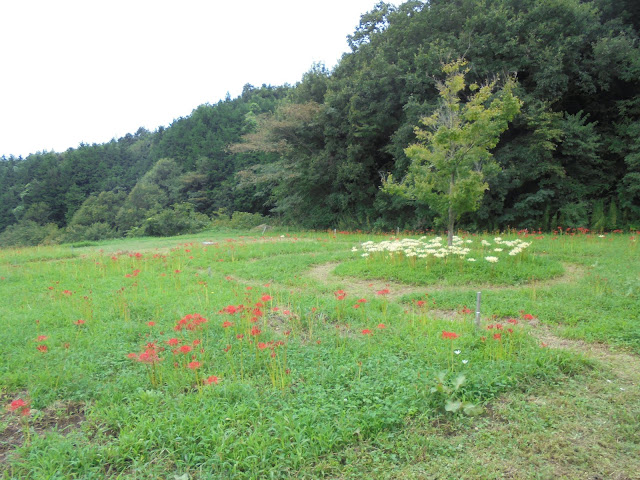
<point x="75" y="71"/>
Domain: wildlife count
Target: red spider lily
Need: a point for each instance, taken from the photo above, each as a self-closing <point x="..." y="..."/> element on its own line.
<point x="151" y="324"/>
<point x="79" y="322"/>
<point x="239" y="336"/>
<point x="194" y="365"/>
<point x="42" y="348"/>
<point x="490" y="327"/>
<point x="255" y="331"/>
<point x="449" y="335"/>
<point x="226" y="349"/>
<point x="356" y="306"/>
<point x="249" y="288"/>
<point x="41" y="338"/>
<point x="176" y="271"/>
<point x="366" y="331"/>
<point x="50" y="288"/>
<point x="257" y="312"/>
<point x="340" y="294"/>
<point x="383" y="292"/>
<point x="262" y="346"/>
<point x="420" y="303"/>
<point x="173" y="341"/>
<point x="499" y="326"/>
<point x="381" y="326"/>
<point x="362" y="300"/>
<point x="465" y="310"/>
<point x="185" y="348"/>
<point x="196" y="342"/>
<point x="149" y="356"/>
<point x="513" y="321"/>
<point x="227" y="324"/>
<point x="510" y="330"/>
<point x="211" y="380"/>
<point x="192" y="321"/>
<point x="497" y="336"/>
<point x="528" y="316"/>
<point x="132" y="356"/>
<point x="67" y="292"/>
<point x="16" y="404"/>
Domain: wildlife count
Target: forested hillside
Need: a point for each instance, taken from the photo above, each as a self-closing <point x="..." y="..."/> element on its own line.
<point x="315" y="154"/>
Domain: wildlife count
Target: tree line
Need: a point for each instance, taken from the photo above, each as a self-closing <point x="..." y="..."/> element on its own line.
<point x="316" y="154"/>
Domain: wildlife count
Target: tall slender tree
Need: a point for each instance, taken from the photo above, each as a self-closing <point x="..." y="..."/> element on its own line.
<point x="452" y="157"/>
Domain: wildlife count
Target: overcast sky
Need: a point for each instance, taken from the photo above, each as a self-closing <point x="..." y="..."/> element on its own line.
<point x="92" y="70"/>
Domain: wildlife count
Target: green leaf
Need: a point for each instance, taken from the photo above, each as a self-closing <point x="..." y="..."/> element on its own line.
<point x="471" y="409"/>
<point x="453" y="406"/>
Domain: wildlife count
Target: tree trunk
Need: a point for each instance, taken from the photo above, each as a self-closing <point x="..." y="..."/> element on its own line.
<point x="452" y="216"/>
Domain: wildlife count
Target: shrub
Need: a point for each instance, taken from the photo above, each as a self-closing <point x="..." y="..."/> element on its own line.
<point x="178" y="219"/>
<point x="29" y="233"/>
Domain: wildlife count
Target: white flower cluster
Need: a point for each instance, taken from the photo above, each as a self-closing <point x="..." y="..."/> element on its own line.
<point x="436" y="247"/>
<point x="516" y="245"/>
<point x="420" y="248"/>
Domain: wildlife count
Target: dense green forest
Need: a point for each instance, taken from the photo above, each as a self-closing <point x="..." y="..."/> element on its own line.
<point x="315" y="154"/>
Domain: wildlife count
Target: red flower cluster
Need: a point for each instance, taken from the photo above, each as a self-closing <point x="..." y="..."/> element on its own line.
<point x="340" y="294"/>
<point x="232" y="309"/>
<point x="149" y="356"/>
<point x="132" y="274"/>
<point x="449" y="335"/>
<point x="21" y="405"/>
<point x="192" y="321"/>
<point x="383" y="292"/>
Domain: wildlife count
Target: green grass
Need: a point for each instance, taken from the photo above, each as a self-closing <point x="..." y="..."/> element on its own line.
<point x="323" y="389"/>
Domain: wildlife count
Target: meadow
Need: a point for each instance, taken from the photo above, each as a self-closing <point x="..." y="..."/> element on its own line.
<point x="322" y="355"/>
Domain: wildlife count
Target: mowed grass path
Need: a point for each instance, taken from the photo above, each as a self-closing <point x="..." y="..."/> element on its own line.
<point x="224" y="355"/>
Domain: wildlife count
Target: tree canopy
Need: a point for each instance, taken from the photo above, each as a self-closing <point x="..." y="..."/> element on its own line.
<point x="570" y="156"/>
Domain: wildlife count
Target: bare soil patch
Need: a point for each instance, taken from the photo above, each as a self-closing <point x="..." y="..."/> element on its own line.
<point x="61" y="416"/>
<point x="324" y="273"/>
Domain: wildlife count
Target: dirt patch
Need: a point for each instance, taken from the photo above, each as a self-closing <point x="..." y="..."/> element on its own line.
<point x="324" y="273"/>
<point x="61" y="416"/>
<point x="621" y="364"/>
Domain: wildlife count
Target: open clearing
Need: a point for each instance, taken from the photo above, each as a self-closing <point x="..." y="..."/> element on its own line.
<point x="250" y="357"/>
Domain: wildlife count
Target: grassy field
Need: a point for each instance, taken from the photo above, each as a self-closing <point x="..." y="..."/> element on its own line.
<point x="318" y="355"/>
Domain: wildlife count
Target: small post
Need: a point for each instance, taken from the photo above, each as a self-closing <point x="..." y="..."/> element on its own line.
<point x="479" y="295"/>
<point x="209" y="271"/>
<point x="334" y="232"/>
<point x="397" y="231"/>
<point x="264" y="229"/>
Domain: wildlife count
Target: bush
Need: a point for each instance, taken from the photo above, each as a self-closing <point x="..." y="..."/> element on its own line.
<point x="178" y="219"/>
<point x="239" y="220"/>
<point x="29" y="233"/>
